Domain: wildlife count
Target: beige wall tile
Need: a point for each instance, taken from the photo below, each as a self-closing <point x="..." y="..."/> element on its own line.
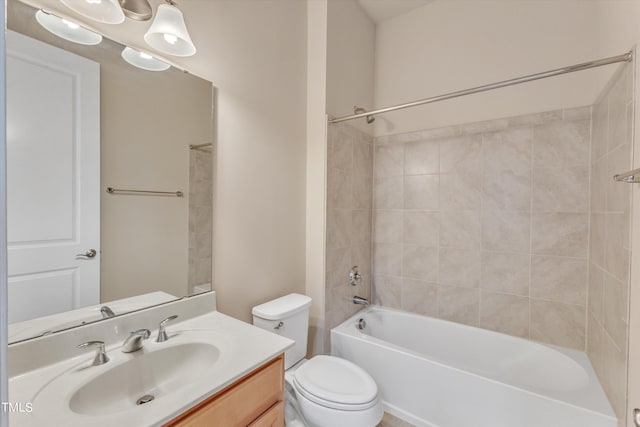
<point x="362" y="158"/>
<point x="558" y="323"/>
<point x="460" y="192"/>
<point x="339" y="228"/>
<point x="614" y="375"/>
<point x="421" y="158"/>
<point x="598" y="190"/>
<point x="616" y="257"/>
<point x="600" y="128"/>
<point x="562" y="144"/>
<point x="615" y="312"/>
<point x="505" y="272"/>
<point x="561" y="190"/>
<point x="461" y="154"/>
<point x="361" y="226"/>
<point x="506" y="231"/>
<point x="508" y="314"/>
<point x="339" y="189"/>
<point x="421" y="228"/>
<point x="559" y="279"/>
<point x="536" y="118"/>
<point x="362" y="192"/>
<point x="388" y="193"/>
<point x="338" y="266"/>
<point x="340" y="149"/>
<point x="421" y="192"/>
<point x="387" y="291"/>
<point x="597" y="239"/>
<point x="577" y="113"/>
<point x="419" y="297"/>
<point x="596" y="292"/>
<point x="484" y="126"/>
<point x="561" y="234"/>
<point x="506" y="190"/>
<point x="421" y="263"/>
<point x="387" y="226"/>
<point x="389" y="160"/>
<point x="460" y="230"/>
<point x="508" y="150"/>
<point x="618" y="100"/>
<point x="595" y="343"/>
<point x="618" y="193"/>
<point x="387" y="259"/>
<point x="459" y="268"/>
<point x="459" y="304"/>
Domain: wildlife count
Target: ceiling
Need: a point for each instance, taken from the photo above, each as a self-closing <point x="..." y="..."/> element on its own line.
<point x="381" y="10"/>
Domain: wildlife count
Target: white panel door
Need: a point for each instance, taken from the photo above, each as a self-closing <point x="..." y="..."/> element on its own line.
<point x="53" y="178"/>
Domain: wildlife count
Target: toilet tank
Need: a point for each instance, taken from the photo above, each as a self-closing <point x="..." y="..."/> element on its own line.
<point x="287" y="316"/>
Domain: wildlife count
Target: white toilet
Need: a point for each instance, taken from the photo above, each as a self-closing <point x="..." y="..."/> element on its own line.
<point x="329" y="391"/>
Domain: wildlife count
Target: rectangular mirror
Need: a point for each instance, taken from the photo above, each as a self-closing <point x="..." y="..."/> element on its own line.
<point x="110" y="181"/>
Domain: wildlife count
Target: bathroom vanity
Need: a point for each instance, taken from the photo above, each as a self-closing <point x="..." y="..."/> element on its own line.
<point x="254" y="400"/>
<point x="212" y="370"/>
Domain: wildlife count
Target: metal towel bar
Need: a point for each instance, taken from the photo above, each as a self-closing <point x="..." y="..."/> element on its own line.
<point x="631" y="177"/>
<point x="112" y="190"/>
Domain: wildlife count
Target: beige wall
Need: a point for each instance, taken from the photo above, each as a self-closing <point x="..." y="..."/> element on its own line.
<point x="487" y="224"/>
<point x="453" y="45"/>
<point x="350" y="60"/>
<point x="254" y="52"/>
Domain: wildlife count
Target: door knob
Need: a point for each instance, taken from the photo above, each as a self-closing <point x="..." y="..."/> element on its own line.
<point x="636" y="417"/>
<point x="89" y="254"/>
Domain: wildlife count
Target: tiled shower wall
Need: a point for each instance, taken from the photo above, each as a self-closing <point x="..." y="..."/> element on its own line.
<point x="487" y="224"/>
<point x="200" y="214"/>
<point x="349" y="209"/>
<point x="607" y="322"/>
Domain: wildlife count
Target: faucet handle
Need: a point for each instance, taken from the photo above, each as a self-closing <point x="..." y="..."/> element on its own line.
<point x="101" y="354"/>
<point x="144" y="333"/>
<point x="162" y="334"/>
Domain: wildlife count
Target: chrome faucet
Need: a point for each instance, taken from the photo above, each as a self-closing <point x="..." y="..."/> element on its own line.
<point x="101" y="354"/>
<point x="134" y="340"/>
<point x="106" y="312"/>
<point x="162" y="334"/>
<point x="359" y="300"/>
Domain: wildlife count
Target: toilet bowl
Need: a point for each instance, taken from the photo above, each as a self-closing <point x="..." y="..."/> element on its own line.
<point x="324" y="391"/>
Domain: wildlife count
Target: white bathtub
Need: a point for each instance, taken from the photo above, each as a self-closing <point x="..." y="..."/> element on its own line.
<point x="431" y="372"/>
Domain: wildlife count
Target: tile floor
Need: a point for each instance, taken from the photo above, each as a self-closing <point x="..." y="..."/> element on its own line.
<point x="390" y="421"/>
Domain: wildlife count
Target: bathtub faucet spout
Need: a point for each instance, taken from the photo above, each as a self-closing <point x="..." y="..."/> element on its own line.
<point x="359" y="300"/>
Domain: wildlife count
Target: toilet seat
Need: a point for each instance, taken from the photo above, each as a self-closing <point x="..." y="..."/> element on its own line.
<point x="336" y="383"/>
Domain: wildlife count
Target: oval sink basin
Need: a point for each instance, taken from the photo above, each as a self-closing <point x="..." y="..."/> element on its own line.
<point x="146" y="377"/>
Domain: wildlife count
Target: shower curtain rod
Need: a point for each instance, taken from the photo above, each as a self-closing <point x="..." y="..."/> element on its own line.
<point x="627" y="57"/>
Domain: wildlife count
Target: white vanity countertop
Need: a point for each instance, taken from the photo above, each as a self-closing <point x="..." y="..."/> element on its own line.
<point x="242" y="348"/>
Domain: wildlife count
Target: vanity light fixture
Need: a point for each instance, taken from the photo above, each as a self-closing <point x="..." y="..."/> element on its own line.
<point x="143" y="60"/>
<point x="66" y="29"/>
<point x="139" y="10"/>
<point x="168" y="32"/>
<point x="105" y="11"/>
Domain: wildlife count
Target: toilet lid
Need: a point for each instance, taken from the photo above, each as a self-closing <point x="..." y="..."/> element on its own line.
<point x="332" y="379"/>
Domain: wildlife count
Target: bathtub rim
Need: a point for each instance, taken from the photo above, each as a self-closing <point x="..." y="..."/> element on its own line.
<point x="348" y="329"/>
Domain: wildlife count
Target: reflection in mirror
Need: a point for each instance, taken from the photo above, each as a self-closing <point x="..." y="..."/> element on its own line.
<point x="81" y="119"/>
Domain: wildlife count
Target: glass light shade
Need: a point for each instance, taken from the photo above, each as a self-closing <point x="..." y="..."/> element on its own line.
<point x="168" y="32"/>
<point x="105" y="11"/>
<point x="142" y="60"/>
<point x="66" y="29"/>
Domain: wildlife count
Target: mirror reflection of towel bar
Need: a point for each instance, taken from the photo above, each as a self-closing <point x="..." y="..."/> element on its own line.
<point x="112" y="190"/>
<point x="631" y="177"/>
